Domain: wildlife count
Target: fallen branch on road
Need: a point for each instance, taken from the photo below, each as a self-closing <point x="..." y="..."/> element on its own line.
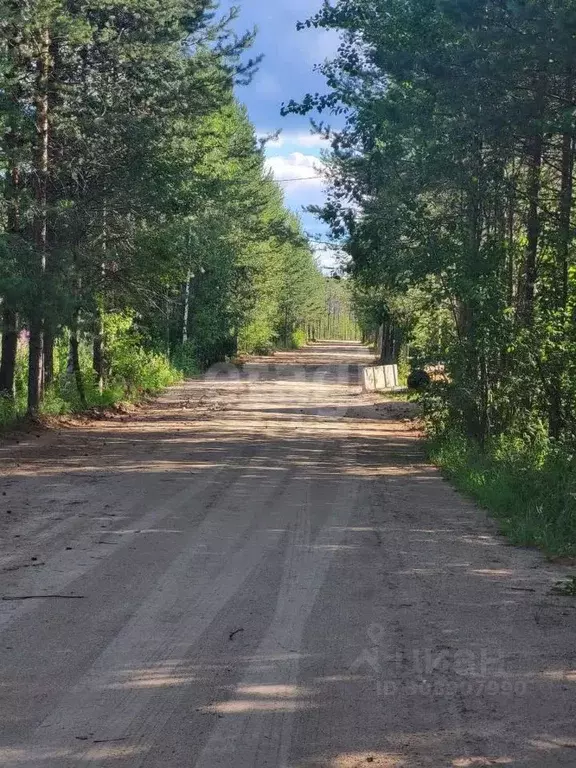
<point x="42" y="597"/>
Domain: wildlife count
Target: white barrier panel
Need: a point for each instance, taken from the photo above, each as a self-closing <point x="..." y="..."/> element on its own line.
<point x="379" y="378"/>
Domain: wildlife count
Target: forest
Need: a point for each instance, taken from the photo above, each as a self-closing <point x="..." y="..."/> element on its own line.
<point x="226" y="540"/>
<point x="143" y="239"/>
<point x="451" y="173"/>
<point x="141" y="236"/>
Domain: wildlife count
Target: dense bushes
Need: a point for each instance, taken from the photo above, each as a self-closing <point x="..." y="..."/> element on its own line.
<point x="531" y="490"/>
<point x="134" y="372"/>
<point x="527" y="481"/>
<point x="298" y="339"/>
<point x="525" y="478"/>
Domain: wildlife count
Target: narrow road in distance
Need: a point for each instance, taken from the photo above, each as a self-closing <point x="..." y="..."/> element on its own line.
<point x="261" y="570"/>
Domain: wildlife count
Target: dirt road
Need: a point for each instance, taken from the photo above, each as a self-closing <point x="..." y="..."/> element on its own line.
<point x="261" y="570"/>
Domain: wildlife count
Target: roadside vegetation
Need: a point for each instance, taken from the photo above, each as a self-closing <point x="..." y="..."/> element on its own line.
<point x="452" y="193"/>
<point x="141" y="237"/>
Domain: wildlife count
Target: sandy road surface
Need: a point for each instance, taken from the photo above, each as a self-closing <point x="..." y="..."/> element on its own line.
<point x="264" y="572"/>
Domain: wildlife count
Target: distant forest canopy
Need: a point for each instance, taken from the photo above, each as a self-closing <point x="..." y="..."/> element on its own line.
<point x="338" y="320"/>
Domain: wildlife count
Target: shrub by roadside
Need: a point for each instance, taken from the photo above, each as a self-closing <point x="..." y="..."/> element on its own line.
<point x="526" y="481"/>
<point x="133" y="373"/>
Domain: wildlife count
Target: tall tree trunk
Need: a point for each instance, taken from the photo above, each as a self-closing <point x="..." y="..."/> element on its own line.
<point x="9" y="317"/>
<point x="186" y="309"/>
<point x="380" y="341"/>
<point x="511" y="271"/>
<point x="98" y="353"/>
<point x="98" y="343"/>
<point x="390" y="349"/>
<point x="556" y="417"/>
<point x="484" y="398"/>
<point x="36" y="345"/>
<point x="532" y="229"/>
<point x="469" y="318"/>
<point x="75" y="360"/>
<point x="565" y="211"/>
<point x="9" y="351"/>
<point x="35" y="364"/>
<point x="52" y="156"/>
<point x="35" y="355"/>
<point x="168" y="314"/>
<point x="48" y="357"/>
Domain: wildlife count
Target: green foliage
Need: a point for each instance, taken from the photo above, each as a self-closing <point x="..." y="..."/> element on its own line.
<point x="134" y="373"/>
<point x="530" y="489"/>
<point x="133" y="370"/>
<point x="453" y="178"/>
<point x="8" y="411"/>
<point x="337" y="318"/>
<point x="298" y="339"/>
<point x="184" y="359"/>
<point x="526" y="481"/>
<point x="136" y="211"/>
<point x="566" y="587"/>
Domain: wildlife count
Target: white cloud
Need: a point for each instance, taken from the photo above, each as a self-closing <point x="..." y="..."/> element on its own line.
<point x="328" y="256"/>
<point x="271" y="143"/>
<point x="297" y="170"/>
<point x="300" y="139"/>
<point x="309" y="140"/>
<point x="294" y="160"/>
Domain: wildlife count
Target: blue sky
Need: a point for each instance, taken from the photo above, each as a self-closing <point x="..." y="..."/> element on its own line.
<point x="287" y="72"/>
